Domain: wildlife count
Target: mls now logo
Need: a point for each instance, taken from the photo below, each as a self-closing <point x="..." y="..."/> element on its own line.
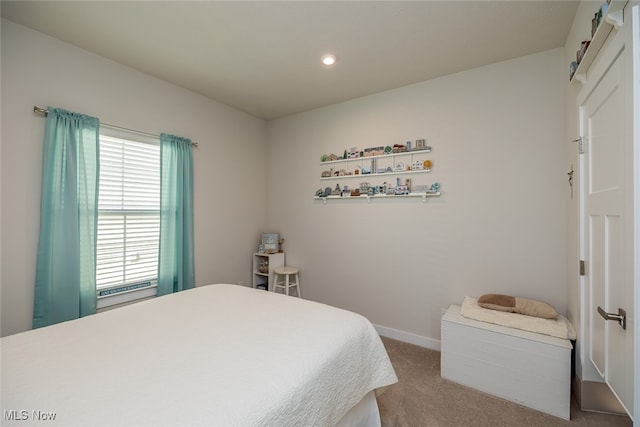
<point x="23" y="415"/>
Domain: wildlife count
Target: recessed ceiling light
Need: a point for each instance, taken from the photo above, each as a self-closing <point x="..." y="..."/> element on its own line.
<point x="328" y="59"/>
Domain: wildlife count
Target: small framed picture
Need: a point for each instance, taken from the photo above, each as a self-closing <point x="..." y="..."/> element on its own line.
<point x="270" y="242"/>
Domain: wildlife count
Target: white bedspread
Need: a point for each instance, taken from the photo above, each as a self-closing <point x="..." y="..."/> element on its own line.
<point x="218" y="355"/>
<point x="560" y="327"/>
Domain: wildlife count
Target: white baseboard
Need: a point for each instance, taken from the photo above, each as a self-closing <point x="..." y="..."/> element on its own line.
<point x="408" y="337"/>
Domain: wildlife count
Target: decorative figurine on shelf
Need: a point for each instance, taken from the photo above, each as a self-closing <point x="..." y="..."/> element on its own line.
<point x="327" y="192"/>
<point x="572" y="69"/>
<point x="280" y="242"/>
<point x="400" y="190"/>
<point x="270" y="242"/>
<point x="320" y="193"/>
<point x="264" y="266"/>
<point x="336" y="191"/>
<point x="435" y="187"/>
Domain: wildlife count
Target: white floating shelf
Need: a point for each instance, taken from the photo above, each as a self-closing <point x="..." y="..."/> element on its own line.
<point x="613" y="19"/>
<point x="365" y="175"/>
<point x="381" y="156"/>
<point x="368" y="198"/>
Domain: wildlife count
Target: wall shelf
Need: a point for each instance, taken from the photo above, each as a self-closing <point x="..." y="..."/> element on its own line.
<point x="391" y="163"/>
<point x="365" y="175"/>
<point x="612" y="19"/>
<point x="382" y="156"/>
<point x="388" y="166"/>
<point x="423" y="196"/>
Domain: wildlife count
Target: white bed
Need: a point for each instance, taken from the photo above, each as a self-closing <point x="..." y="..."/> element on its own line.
<point x="218" y="355"/>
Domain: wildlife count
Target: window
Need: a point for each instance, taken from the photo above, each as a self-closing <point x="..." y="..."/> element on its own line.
<point x="128" y="216"/>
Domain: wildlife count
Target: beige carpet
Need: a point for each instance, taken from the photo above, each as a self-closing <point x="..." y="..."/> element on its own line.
<point x="421" y="398"/>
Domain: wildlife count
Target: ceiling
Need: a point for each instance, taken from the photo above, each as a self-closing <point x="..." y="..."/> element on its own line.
<point x="264" y="57"/>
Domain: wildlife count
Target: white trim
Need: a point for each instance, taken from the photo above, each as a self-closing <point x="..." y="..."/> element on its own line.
<point x="127" y="297"/>
<point x="128" y="134"/>
<point x="408" y="337"/>
<point x="635" y="69"/>
<point x="113" y="290"/>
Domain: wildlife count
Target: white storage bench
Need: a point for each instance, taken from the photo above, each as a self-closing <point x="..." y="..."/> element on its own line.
<point x="528" y="368"/>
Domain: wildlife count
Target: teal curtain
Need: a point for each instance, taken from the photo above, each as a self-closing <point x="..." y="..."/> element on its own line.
<point x="66" y="268"/>
<point x="176" y="270"/>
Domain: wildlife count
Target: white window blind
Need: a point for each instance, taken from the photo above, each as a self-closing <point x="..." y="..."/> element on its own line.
<point x="128" y="213"/>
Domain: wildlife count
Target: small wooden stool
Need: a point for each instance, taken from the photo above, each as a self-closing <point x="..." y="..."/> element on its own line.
<point x="286" y="272"/>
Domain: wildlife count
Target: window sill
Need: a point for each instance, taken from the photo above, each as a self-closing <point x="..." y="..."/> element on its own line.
<point x="126" y="297"/>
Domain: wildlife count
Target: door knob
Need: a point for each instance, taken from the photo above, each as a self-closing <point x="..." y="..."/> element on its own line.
<point x="621" y="317"/>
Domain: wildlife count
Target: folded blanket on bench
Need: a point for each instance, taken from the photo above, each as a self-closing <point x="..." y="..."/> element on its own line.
<point x="559" y="327"/>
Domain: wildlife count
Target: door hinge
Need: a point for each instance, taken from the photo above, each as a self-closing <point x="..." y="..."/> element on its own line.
<point x="580" y="142"/>
<point x="582" y="267"/>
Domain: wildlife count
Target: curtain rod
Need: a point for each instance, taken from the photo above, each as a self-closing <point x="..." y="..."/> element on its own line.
<point x="44" y="112"/>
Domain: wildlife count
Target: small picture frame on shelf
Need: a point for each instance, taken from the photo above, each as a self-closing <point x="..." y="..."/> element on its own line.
<point x="271" y="242"/>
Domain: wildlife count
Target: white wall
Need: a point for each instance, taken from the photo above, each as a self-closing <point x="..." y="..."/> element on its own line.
<point x="230" y="194"/>
<point x="497" y="134"/>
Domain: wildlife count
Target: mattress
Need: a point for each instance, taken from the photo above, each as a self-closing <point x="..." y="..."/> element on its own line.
<point x="217" y="355"/>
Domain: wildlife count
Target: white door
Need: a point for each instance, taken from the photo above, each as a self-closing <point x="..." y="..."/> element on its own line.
<point x="608" y="230"/>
